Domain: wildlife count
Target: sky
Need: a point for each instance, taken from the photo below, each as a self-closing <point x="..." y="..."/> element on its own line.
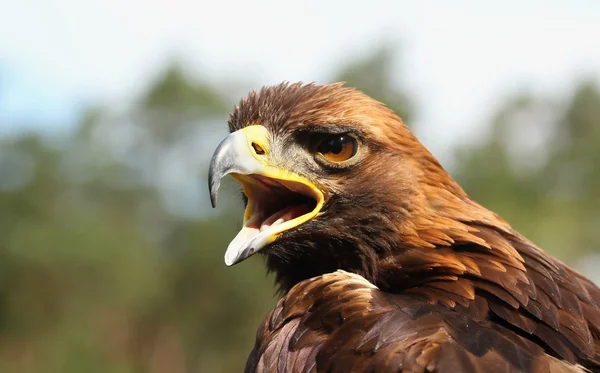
<point x="459" y="58"/>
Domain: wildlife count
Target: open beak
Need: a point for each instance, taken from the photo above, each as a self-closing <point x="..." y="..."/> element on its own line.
<point x="278" y="199"/>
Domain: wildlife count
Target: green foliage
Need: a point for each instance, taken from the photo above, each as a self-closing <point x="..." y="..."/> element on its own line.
<point x="550" y="191"/>
<point x="374" y="75"/>
<point x="101" y="272"/>
<point x="96" y="273"/>
<point x="174" y="91"/>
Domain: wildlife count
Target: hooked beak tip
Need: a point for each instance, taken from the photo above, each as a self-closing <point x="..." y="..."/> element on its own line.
<point x="214" y="188"/>
<point x="233" y="155"/>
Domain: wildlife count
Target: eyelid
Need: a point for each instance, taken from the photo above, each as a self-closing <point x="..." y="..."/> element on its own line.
<point x="331" y="130"/>
<point x="320" y="137"/>
<point x="312" y="139"/>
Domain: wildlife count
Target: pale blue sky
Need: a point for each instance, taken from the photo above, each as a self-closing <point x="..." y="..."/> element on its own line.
<point x="460" y="56"/>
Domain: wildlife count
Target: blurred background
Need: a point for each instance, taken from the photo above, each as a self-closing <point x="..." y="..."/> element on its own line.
<point x="111" y="259"/>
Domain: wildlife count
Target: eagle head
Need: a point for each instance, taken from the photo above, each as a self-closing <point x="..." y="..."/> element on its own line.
<point x="332" y="179"/>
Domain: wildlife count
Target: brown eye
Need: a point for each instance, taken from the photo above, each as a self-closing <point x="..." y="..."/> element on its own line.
<point x="338" y="148"/>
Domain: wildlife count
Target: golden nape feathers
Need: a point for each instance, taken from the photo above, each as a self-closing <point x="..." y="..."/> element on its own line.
<point x="384" y="262"/>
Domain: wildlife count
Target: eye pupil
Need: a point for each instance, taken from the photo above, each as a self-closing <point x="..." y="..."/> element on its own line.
<point x="336" y="145"/>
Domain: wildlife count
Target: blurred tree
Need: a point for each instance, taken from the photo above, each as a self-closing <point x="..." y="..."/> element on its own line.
<point x="376" y="75"/>
<point x="97" y="273"/>
<point x="538" y="168"/>
<point x="174" y="90"/>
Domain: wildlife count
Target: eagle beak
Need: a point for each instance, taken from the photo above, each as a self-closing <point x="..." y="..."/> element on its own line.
<point x="278" y="199"/>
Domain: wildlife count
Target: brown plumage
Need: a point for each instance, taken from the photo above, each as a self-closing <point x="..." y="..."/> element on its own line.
<point x="401" y="271"/>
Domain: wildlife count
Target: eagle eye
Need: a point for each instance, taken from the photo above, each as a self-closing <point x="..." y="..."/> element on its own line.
<point x="338" y="148"/>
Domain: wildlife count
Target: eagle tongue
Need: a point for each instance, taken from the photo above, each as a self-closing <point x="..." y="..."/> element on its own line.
<point x="284" y="215"/>
<point x="278" y="217"/>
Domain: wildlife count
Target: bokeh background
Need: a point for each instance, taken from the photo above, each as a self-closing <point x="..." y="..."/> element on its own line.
<point x="111" y="259"/>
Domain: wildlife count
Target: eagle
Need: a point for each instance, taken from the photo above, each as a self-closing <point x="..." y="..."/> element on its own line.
<point x="383" y="262"/>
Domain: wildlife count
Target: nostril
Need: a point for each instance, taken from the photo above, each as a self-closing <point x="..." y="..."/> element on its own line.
<point x="258" y="149"/>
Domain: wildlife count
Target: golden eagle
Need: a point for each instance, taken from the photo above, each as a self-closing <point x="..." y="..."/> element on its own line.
<point x="384" y="263"/>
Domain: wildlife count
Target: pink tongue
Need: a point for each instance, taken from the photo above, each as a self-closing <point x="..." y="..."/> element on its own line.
<point x="286" y="214"/>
